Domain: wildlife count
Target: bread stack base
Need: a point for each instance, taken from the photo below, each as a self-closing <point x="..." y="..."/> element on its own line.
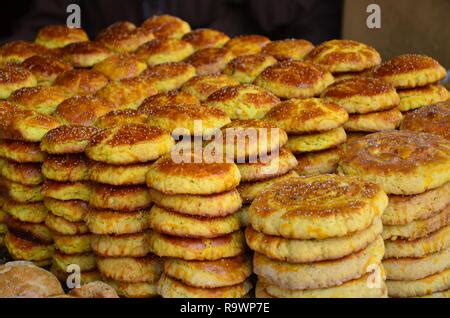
<point x="416" y="78"/>
<point x="417" y="238"/>
<point x="66" y="194"/>
<point x="196" y="228"/>
<point x="315" y="141"/>
<point x="119" y="207"/>
<point x="28" y="238"/>
<point x="412" y="168"/>
<point x="305" y="248"/>
<point x="259" y="156"/>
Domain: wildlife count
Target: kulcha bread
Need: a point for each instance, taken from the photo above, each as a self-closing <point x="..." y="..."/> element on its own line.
<point x="243" y="101"/>
<point x="67" y="139"/>
<point x="307" y="251"/>
<point x="125" y="198"/>
<point x="277" y="166"/>
<point x="22" y="279"/>
<point x="214" y="206"/>
<point x="81" y="81"/>
<point x="120" y="66"/>
<point x="127" y="144"/>
<point x="13" y="78"/>
<point x="124" y="37"/>
<point x="308" y="143"/>
<point x="294" y="79"/>
<point x="192" y="178"/>
<point x="320" y="162"/>
<point x="205" y="38"/>
<point x="134" y="270"/>
<point x="409" y="71"/>
<point x="341" y="56"/>
<point x="127" y="93"/>
<point x="16" y="52"/>
<point x="375" y="121"/>
<point x="203" y="86"/>
<point x="403" y="210"/>
<point x="172" y="288"/>
<point x="247" y="44"/>
<point x="357" y="288"/>
<point x="195" y="249"/>
<point x="66" y="168"/>
<point x="166" y="99"/>
<point x="24" y="125"/>
<point x="362" y="95"/>
<point x="210" y="60"/>
<point x="84" y="54"/>
<point x="289" y="49"/>
<point x="45" y="68"/>
<point x="413" y="98"/>
<point x="277" y="212"/>
<point x="166" y="26"/>
<point x="403" y="162"/>
<point x="434" y="119"/>
<point x="184" y="120"/>
<point x="161" y="51"/>
<point x="42" y="99"/>
<point x="169" y="76"/>
<point x="58" y="36"/>
<point x="246" y="68"/>
<point x="316" y="115"/>
<point x="120" y="117"/>
<point x="109" y="222"/>
<point x="82" y="110"/>
<point x="323" y="274"/>
<point x="248" y="140"/>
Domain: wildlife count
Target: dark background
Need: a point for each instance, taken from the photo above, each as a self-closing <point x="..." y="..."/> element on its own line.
<point x="315" y="20"/>
<point x="408" y="26"/>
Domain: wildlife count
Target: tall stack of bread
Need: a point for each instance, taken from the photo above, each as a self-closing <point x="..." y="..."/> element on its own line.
<point x="196" y="228"/>
<point x="292" y="78"/>
<point x="433" y="119"/>
<point x="24" y="121"/>
<point x="28" y="238"/>
<point x="119" y="206"/>
<point x="345" y="59"/>
<point x="371" y="102"/>
<point x="412" y="167"/>
<point x="255" y="146"/>
<point x="257" y="149"/>
<point x="320" y="237"/>
<point x="194" y="222"/>
<point x="416" y="79"/>
<point x="138" y="84"/>
<point x="66" y="193"/>
<point x="315" y="132"/>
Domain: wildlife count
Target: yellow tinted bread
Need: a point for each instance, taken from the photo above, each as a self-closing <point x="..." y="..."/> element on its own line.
<point x="294" y="79"/>
<point x="324" y="211"/>
<point x="340" y="56"/>
<point x="316" y="115"/>
<point x="409" y="71"/>
<point x="243" y="101"/>
<point x="402" y="162"/>
<point x="127" y="144"/>
<point x="362" y="95"/>
<point x="246" y="68"/>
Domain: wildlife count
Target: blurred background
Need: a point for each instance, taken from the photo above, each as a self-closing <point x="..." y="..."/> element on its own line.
<point x="407" y="25"/>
